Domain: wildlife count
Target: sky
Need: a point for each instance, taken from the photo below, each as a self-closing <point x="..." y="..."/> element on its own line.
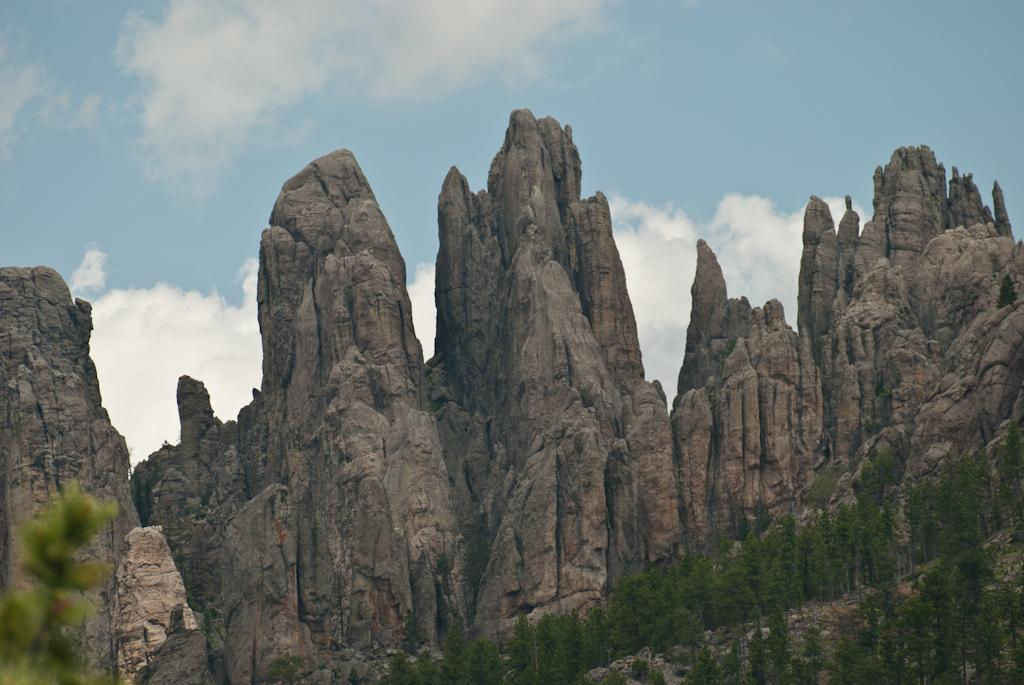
<point x="143" y="143"/>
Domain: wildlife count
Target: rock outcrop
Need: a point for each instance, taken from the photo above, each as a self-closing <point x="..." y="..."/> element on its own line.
<point x="326" y="506"/>
<point x="53" y="429"/>
<point x="149" y="588"/>
<point x="747" y="419"/>
<point x="182" y="658"/>
<point x="560" y="450"/>
<point x="900" y="347"/>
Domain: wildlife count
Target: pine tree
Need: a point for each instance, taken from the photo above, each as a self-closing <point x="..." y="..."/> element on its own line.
<point x="34" y="643"/>
<point x="1007" y="293"/>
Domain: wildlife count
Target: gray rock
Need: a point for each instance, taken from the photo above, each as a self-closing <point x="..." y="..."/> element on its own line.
<point x="181" y="658"/>
<point x="965" y="205"/>
<point x="819" y="270"/>
<point x="260" y="589"/>
<point x="900" y="348"/>
<point x="54" y="429"/>
<point x="746" y="439"/>
<point x="1002" y="221"/>
<point x="562" y="450"/>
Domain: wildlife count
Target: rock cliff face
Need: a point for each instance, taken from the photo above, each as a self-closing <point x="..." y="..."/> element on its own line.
<point x="900" y="347"/>
<point x="326" y="506"/>
<point x="149" y="590"/>
<point x="561" y="452"/>
<point x="341" y="419"/>
<point x="747" y="420"/>
<point x="54" y="429"/>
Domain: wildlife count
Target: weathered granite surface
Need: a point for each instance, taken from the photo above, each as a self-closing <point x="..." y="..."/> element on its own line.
<point x="560" y="450"/>
<point x="900" y="347"/>
<point x="53" y="428"/>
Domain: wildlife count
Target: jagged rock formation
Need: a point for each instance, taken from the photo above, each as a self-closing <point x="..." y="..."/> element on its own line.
<point x="560" y="450"/>
<point x="326" y="506"/>
<point x="900" y="347"/>
<point x="528" y="465"/>
<point x="341" y="416"/>
<point x="149" y="588"/>
<point x="181" y="658"/>
<point x="747" y="420"/>
<point x="54" y="429"/>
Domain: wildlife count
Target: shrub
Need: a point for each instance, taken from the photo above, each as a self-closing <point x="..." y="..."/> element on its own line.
<point x="285" y="668"/>
<point x="640" y="667"/>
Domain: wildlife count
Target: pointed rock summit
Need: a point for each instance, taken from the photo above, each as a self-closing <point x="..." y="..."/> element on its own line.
<point x="560" y="450"/>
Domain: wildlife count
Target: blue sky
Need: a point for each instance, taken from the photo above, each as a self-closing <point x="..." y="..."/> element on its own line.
<point x="157" y="135"/>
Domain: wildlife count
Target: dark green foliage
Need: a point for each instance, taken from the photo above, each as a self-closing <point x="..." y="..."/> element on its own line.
<point x="705" y="671"/>
<point x="427" y="672"/>
<point x="284" y="669"/>
<point x="640" y="668"/>
<point x="879" y="471"/>
<point x="353" y="676"/>
<point x="35" y="646"/>
<point x="453" y="665"/>
<point x="400" y="671"/>
<point x="731" y="663"/>
<point x="142" y="483"/>
<point x="1010" y="467"/>
<point x="1007" y="293"/>
<point x="484" y="665"/>
<point x="757" y="659"/>
<point x="614" y="678"/>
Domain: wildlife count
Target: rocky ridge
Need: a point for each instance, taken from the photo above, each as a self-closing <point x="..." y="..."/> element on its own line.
<point x="365" y="496"/>
<point x="900" y="346"/>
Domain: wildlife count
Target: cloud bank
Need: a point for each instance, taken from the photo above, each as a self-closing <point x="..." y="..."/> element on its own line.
<point x="218" y="74"/>
<point x="145" y="338"/>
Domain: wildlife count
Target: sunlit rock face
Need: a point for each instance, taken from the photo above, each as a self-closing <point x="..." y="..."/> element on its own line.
<point x="900" y="346"/>
<point x="326" y="506"/>
<point x="149" y="588"/>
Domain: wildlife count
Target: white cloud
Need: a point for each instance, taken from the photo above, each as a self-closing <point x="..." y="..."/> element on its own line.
<point x="19" y="83"/>
<point x="90" y="274"/>
<point x="217" y="74"/>
<point x="145" y="338"/>
<point x="424" y="311"/>
<point x="757" y="246"/>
